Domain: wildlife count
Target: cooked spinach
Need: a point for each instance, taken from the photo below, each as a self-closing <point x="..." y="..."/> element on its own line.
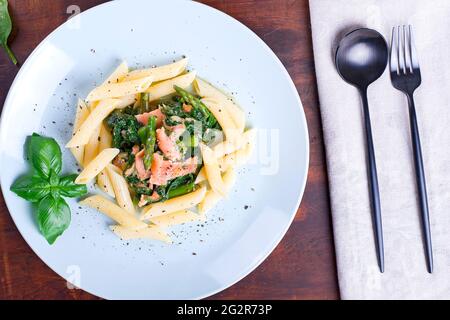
<point x="125" y="129"/>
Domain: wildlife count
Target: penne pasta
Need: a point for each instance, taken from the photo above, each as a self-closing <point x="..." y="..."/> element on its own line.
<point x="113" y="211"/>
<point x="96" y="165"/>
<point x="176" y="218"/>
<point x="212" y="198"/>
<point x="105" y="184"/>
<point x="80" y="117"/>
<point x="173" y="205"/>
<point x="232" y="160"/>
<point x="159" y="73"/>
<point x="212" y="170"/>
<point x="92" y="122"/>
<point x="121" y="89"/>
<point x="118" y="74"/>
<point x="206" y="90"/>
<point x="121" y="190"/>
<point x="152" y="232"/>
<point x="223" y="117"/>
<point x="228" y="146"/>
<point x="165" y="88"/>
<point x="126" y="101"/>
<point x="105" y="138"/>
<point x="92" y="147"/>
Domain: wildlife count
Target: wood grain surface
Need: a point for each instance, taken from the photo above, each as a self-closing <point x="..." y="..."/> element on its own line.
<point x="303" y="264"/>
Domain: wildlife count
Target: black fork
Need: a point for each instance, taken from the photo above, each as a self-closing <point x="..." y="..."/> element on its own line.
<point x="405" y="76"/>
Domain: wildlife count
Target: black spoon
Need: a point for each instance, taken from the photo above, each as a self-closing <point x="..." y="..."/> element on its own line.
<point x="361" y="58"/>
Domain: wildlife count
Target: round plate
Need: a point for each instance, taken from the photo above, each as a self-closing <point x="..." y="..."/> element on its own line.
<point x="242" y="231"/>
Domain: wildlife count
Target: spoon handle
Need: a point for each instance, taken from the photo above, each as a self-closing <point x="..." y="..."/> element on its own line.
<point x="373" y="184"/>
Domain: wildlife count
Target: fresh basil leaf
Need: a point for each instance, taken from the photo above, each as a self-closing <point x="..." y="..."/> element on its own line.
<point x="5" y="29"/>
<point x="53" y="217"/>
<point x="31" y="188"/>
<point x="68" y="188"/>
<point x="54" y="178"/>
<point x="45" y="155"/>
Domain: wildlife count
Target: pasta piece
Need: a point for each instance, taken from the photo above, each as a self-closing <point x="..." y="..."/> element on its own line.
<point x="176" y="218"/>
<point x="212" y="198"/>
<point x="113" y="211"/>
<point x="80" y="117"/>
<point x="173" y="205"/>
<point x="232" y="160"/>
<point x="206" y="90"/>
<point x="118" y="74"/>
<point x="121" y="89"/>
<point x="105" y="184"/>
<point x="212" y="170"/>
<point x="121" y="191"/>
<point x="223" y="117"/>
<point x="165" y="88"/>
<point x="92" y="122"/>
<point x="126" y="101"/>
<point x="160" y="73"/>
<point x="96" y="165"/>
<point x="92" y="147"/>
<point x="152" y="232"/>
<point x="228" y="146"/>
<point x="105" y="138"/>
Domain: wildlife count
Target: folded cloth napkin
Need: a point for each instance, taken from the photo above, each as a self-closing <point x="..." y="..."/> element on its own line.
<point x="406" y="276"/>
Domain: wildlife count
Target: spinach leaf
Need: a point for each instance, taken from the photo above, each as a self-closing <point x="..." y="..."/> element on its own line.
<point x="5" y="29"/>
<point x="68" y="188"/>
<point x="125" y="129"/>
<point x="53" y="217"/>
<point x="45" y="155"/>
<point x="31" y="188"/>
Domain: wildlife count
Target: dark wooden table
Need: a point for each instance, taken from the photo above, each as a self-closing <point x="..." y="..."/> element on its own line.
<point x="303" y="265"/>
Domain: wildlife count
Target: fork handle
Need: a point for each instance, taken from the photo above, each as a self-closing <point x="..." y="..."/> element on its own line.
<point x="373" y="184"/>
<point x="421" y="182"/>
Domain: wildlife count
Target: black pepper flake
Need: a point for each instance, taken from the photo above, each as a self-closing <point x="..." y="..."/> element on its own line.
<point x="83" y="237"/>
<point x="245" y="207"/>
<point x="53" y="122"/>
<point x="194" y="254"/>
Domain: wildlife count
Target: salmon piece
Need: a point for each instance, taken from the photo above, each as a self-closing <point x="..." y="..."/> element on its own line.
<point x="135" y="149"/>
<point x="145" y="199"/>
<point x="140" y="167"/>
<point x="165" y="170"/>
<point x="168" y="144"/>
<point x="143" y="118"/>
<point x="187" y="108"/>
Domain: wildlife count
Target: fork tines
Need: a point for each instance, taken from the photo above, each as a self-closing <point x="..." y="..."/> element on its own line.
<point x="403" y="52"/>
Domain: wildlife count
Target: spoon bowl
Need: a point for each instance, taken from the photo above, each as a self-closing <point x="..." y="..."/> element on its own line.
<point x="362" y="57"/>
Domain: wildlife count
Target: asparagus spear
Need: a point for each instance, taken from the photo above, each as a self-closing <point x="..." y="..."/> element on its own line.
<point x="181" y="190"/>
<point x="145" y="101"/>
<point x="194" y="102"/>
<point x="147" y="135"/>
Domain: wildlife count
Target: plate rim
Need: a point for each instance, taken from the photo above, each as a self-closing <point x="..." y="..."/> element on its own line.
<point x="292" y="87"/>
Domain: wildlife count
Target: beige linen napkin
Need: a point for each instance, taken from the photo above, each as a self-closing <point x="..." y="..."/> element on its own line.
<point x="406" y="276"/>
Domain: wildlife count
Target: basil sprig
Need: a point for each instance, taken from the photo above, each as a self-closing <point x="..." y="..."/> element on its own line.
<point x="5" y="29"/>
<point x="46" y="188"/>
